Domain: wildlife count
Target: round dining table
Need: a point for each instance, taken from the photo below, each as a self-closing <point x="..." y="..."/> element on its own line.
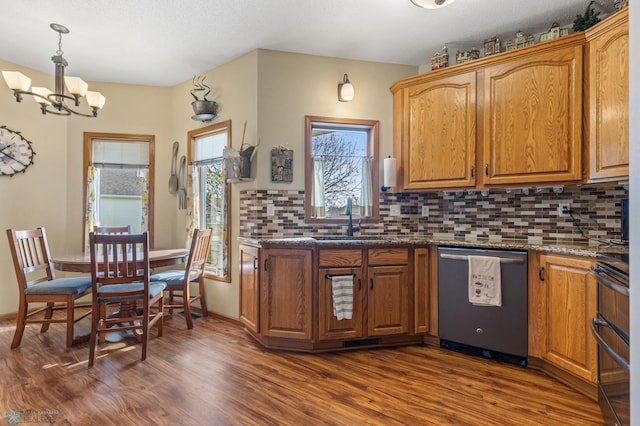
<point x="81" y="262"/>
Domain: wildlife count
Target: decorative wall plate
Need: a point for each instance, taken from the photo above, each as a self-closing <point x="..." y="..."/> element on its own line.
<point x="16" y="153"/>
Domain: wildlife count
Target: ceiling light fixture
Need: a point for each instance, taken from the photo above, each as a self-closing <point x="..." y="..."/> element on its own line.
<point x="432" y="4"/>
<point x="54" y="102"/>
<point x="345" y="90"/>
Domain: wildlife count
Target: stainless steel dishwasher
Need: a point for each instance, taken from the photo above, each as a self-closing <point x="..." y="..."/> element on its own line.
<point x="493" y="331"/>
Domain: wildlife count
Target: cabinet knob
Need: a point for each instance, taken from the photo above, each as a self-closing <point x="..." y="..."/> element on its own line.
<point x="473" y="171"/>
<point x="486" y="169"/>
<point x="371" y="281"/>
<point x="479" y="330"/>
<point x="541" y="273"/>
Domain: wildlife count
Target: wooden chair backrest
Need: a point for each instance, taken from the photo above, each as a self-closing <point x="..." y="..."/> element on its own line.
<point x="119" y="259"/>
<point x="112" y="229"/>
<point x="198" y="253"/>
<point x="31" y="256"/>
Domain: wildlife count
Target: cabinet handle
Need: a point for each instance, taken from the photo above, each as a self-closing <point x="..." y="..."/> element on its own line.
<point x="265" y="264"/>
<point x="473" y="171"/>
<point x="486" y="169"/>
<point x="255" y="263"/>
<point x="371" y="281"/>
<point x="541" y="273"/>
<point x="359" y="284"/>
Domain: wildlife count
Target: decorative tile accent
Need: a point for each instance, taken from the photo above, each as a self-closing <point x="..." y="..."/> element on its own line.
<point x="467" y="216"/>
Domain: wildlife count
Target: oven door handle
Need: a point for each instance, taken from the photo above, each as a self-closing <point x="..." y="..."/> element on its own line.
<point x="599" y="274"/>
<point x="598" y="322"/>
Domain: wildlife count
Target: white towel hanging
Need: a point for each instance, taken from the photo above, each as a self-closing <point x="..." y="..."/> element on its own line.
<point x="342" y="293"/>
<point x="485" y="287"/>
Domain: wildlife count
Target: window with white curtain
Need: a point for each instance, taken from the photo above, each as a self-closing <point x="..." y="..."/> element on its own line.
<point x="341" y="163"/>
<point x="118" y="181"/>
<point x="209" y="193"/>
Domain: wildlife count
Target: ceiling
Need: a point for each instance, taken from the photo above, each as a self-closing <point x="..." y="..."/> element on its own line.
<point x="166" y="42"/>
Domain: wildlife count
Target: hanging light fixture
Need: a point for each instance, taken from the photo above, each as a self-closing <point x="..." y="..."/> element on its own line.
<point x="345" y="90"/>
<point x="432" y="4"/>
<point x="54" y="102"/>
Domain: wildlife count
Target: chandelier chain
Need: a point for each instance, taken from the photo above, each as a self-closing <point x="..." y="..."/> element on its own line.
<point x="59" y="52"/>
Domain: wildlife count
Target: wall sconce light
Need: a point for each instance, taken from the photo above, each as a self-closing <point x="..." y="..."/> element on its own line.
<point x="389" y="174"/>
<point x="345" y="90"/>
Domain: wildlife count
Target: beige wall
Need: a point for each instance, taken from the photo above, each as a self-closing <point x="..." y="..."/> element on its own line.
<point x="272" y="91"/>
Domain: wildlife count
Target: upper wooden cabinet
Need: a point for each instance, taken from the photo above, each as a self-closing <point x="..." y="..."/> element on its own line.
<point x="532" y="113"/>
<point x="440" y="133"/>
<point x="505" y="120"/>
<point x="607" y="99"/>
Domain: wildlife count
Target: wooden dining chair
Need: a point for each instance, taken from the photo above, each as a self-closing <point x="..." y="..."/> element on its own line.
<point x="120" y="275"/>
<point x="178" y="281"/>
<point x="125" y="229"/>
<point x="38" y="284"/>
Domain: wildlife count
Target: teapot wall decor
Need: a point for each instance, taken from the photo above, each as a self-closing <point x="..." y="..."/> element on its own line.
<point x="204" y="109"/>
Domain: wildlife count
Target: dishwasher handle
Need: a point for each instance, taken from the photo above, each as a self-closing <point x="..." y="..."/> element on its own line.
<point x="466" y="258"/>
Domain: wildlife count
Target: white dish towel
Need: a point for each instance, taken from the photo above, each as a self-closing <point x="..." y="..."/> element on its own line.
<point x="485" y="287"/>
<point x="342" y="292"/>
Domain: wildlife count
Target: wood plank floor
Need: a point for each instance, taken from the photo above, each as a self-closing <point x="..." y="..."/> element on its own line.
<point x="215" y="374"/>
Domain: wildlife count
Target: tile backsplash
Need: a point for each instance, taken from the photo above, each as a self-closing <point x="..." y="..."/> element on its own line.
<point x="499" y="215"/>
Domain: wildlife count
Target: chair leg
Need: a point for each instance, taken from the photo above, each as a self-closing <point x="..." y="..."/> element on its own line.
<point x="145" y="332"/>
<point x="203" y="300"/>
<point x="20" y="324"/>
<point x="187" y="313"/>
<point x="160" y="314"/>
<point x="95" y="314"/>
<point x="48" y="314"/>
<point x="70" y="321"/>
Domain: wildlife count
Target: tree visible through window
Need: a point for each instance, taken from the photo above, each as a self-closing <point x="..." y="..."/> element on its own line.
<point x="341" y="164"/>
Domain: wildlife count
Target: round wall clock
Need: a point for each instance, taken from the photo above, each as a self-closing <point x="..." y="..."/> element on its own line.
<point x="16" y="153"/>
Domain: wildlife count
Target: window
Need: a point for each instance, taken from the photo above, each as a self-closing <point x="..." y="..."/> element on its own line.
<point x="118" y="182"/>
<point x="210" y="193"/>
<point x="341" y="163"/>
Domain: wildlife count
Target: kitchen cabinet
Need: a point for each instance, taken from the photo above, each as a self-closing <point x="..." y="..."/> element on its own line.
<point x="425" y="296"/>
<point x="388" y="292"/>
<point x="607" y="99"/>
<point x="380" y="298"/>
<point x="335" y="263"/>
<point x="287" y="309"/>
<point x="505" y="120"/>
<point x="439" y="130"/>
<point x="532" y="118"/>
<point x="249" y="286"/>
<point x="563" y="302"/>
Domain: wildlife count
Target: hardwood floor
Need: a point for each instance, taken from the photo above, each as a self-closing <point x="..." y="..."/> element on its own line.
<point x="215" y="374"/>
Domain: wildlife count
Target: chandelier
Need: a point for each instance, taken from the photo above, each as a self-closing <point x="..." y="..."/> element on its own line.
<point x="432" y="4"/>
<point x="55" y="102"/>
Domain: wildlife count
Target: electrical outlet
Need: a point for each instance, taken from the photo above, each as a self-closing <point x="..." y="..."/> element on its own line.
<point x="564" y="209"/>
<point x="425" y="211"/>
<point x="271" y="209"/>
<point x="394" y="210"/>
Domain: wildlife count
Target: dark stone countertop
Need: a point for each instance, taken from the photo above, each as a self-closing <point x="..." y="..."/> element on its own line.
<point x="575" y="248"/>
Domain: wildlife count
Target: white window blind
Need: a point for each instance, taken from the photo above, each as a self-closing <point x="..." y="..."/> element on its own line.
<point x="209" y="147"/>
<point x="129" y="153"/>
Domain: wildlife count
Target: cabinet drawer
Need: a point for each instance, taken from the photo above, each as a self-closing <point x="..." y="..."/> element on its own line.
<point x="388" y="257"/>
<point x="334" y="258"/>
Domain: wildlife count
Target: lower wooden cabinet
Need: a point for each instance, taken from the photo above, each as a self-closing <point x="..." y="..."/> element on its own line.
<point x="564" y="301"/>
<point x="287" y="300"/>
<point x="250" y="287"/>
<point x="388" y="300"/>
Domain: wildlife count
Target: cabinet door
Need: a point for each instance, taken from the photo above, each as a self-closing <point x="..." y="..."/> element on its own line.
<point x="532" y="123"/>
<point x="608" y="101"/>
<point x="388" y="300"/>
<point x="287" y="303"/>
<point x="422" y="291"/>
<point x="440" y="133"/>
<point x="329" y="326"/>
<point x="569" y="300"/>
<point x="249" y="287"/>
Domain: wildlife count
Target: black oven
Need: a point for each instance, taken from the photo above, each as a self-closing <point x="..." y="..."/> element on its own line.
<point x="611" y="330"/>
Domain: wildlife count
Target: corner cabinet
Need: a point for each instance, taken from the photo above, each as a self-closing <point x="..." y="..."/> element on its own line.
<point x="607" y="99"/>
<point x="533" y="118"/>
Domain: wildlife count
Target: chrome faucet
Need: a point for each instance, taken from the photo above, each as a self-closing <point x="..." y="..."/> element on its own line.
<point x="350" y="227"/>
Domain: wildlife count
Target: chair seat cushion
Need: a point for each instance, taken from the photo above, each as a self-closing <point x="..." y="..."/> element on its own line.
<point x="172" y="277"/>
<point x="155" y="288"/>
<point x="73" y="285"/>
